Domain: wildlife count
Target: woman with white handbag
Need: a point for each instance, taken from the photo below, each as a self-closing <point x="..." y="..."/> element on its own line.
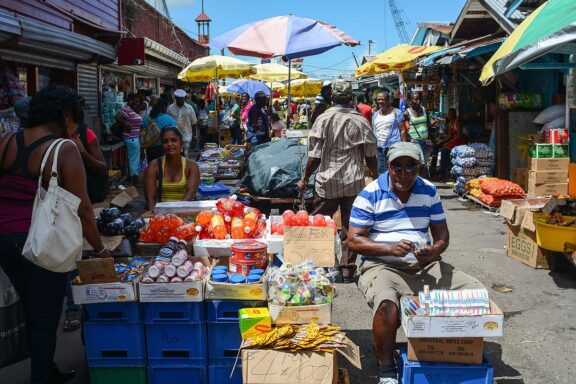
<point x="44" y="214"/>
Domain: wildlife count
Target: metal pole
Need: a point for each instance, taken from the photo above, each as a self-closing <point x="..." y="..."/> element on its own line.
<point x="288" y="100"/>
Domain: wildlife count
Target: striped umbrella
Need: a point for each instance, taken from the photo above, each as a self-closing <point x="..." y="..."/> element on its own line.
<point x="550" y="26"/>
<point x="289" y="36"/>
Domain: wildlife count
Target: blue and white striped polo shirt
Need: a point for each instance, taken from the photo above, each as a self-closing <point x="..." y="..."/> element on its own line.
<point x="379" y="209"/>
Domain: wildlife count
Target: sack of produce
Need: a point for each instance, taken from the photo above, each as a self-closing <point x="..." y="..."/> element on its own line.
<point x="499" y="188"/>
<point x="550" y="114"/>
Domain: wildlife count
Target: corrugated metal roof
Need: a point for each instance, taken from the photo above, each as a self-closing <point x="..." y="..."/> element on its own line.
<point x="500" y="10"/>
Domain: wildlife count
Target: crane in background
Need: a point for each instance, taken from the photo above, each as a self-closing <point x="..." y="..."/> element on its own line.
<point x="400" y="22"/>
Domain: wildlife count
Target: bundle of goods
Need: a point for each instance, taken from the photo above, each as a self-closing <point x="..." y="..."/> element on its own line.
<point x="465" y="302"/>
<point x="247" y="264"/>
<point x="131" y="269"/>
<point x="308" y="337"/>
<point x="230" y="219"/>
<point x="300" y="219"/>
<point x="111" y="222"/>
<point x="161" y="228"/>
<point x="172" y="265"/>
<point x="472" y="187"/>
<point x="469" y="162"/>
<point x="301" y="284"/>
<point x="493" y="191"/>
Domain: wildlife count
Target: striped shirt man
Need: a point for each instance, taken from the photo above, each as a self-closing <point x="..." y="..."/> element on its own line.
<point x="133" y="119"/>
<point x="341" y="138"/>
<point x="379" y="209"/>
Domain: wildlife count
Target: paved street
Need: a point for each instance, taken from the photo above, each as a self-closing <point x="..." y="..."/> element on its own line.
<point x="540" y="334"/>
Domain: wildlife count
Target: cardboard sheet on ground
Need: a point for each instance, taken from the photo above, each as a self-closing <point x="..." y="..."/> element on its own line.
<point x="309" y="243"/>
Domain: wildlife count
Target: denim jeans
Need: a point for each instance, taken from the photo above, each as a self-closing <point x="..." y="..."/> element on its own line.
<point x="133" y="154"/>
<point x="42" y="294"/>
<point x="382" y="160"/>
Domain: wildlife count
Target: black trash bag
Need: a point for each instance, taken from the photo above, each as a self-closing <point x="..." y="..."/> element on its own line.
<point x="13" y="343"/>
<point x="274" y="168"/>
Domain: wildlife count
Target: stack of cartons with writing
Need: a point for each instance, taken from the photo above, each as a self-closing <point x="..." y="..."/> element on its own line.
<point x="548" y="165"/>
<point x="448" y="347"/>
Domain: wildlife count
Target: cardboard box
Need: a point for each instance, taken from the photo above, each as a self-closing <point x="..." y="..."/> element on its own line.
<point x="548" y="164"/>
<point x="521" y="177"/>
<point x="455" y="350"/>
<point x="536" y="138"/>
<point x="572" y="180"/>
<point x="514" y="210"/>
<point x="556" y="136"/>
<point x="276" y="242"/>
<point x="522" y="246"/>
<point x="489" y="325"/>
<point x="185" y="291"/>
<point x="540" y="150"/>
<point x="265" y="366"/>
<point x="547" y="177"/>
<point x="227" y="291"/>
<point x="125" y="197"/>
<point x="261" y="366"/>
<point x="302" y="314"/>
<point x="547" y="189"/>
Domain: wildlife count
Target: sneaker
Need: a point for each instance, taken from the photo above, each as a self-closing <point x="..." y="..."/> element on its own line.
<point x="387" y="380"/>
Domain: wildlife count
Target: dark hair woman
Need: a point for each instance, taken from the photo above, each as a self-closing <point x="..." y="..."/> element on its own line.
<point x="41" y="290"/>
<point x="172" y="177"/>
<point x="163" y="120"/>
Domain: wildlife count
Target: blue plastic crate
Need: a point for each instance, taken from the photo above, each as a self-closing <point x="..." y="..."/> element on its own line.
<point x="114" y="344"/>
<point x="225" y="340"/>
<point x="220" y="374"/>
<point x="176" y="344"/>
<point x="130" y="312"/>
<point x="413" y="372"/>
<point x="179" y="374"/>
<point x="173" y="312"/>
<point x="227" y="310"/>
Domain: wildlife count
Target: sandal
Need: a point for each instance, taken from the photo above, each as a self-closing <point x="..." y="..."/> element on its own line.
<point x="72" y="323"/>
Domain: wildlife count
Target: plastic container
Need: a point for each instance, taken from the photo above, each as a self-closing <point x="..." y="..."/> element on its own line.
<point x="252" y="278"/>
<point x="117" y="375"/>
<point x="413" y="372"/>
<point x="220" y="269"/>
<point x="218" y="374"/>
<point x="257" y="272"/>
<point x="214" y="189"/>
<point x="220" y="278"/>
<point x="173" y="312"/>
<point x="114" y="344"/>
<point x="176" y="344"/>
<point x="553" y="237"/>
<point x="130" y="312"/>
<point x="249" y="253"/>
<point x="183" y="374"/>
<point x="237" y="278"/>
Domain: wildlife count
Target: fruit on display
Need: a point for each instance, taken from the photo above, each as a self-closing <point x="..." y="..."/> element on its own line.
<point x="111" y="222"/>
<point x="300" y="219"/>
<point x="161" y="227"/>
<point x="230" y="220"/>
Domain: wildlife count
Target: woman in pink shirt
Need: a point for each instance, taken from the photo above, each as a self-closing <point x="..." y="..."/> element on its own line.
<point x="245" y="104"/>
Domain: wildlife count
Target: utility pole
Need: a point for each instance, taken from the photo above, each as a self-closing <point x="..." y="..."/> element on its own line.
<point x="370" y="42"/>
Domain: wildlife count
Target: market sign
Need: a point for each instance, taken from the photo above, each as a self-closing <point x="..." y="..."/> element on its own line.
<point x="309" y="243"/>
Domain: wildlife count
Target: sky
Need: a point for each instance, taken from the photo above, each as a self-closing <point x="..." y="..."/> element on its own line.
<point x="371" y="20"/>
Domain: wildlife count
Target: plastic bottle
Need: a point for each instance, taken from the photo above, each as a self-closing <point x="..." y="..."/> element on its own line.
<point x="289" y="218"/>
<point x="168" y="249"/>
<point x="170" y="270"/>
<point x="156" y="269"/>
<point x="237" y="228"/>
<point x="302" y="218"/>
<point x="186" y="232"/>
<point x="181" y="255"/>
<point x="176" y="279"/>
<point x="162" y="279"/>
<point x="156" y="222"/>
<point x="250" y="225"/>
<point x="229" y="205"/>
<point x="185" y="269"/>
<point x="217" y="226"/>
<point x="261" y="227"/>
<point x="202" y="223"/>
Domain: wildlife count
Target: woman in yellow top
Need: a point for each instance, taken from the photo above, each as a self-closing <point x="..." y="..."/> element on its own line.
<point x="171" y="177"/>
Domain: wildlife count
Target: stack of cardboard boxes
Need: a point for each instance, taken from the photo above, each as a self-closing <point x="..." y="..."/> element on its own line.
<point x="547" y="172"/>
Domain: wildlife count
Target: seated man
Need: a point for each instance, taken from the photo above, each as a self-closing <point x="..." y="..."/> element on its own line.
<point x="389" y="226"/>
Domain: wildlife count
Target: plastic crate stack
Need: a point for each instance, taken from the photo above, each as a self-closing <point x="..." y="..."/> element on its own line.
<point x="223" y="331"/>
<point x="176" y="342"/>
<point x="115" y="343"/>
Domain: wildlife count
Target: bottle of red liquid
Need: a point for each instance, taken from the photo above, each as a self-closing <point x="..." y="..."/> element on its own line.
<point x="302" y="219"/>
<point x="237" y="228"/>
<point x="260" y="227"/>
<point x="229" y="206"/>
<point x="202" y="224"/>
<point x="217" y="227"/>
<point x="289" y="218"/>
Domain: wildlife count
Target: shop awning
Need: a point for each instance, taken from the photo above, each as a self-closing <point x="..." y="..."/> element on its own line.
<point x="464" y="50"/>
<point x="165" y="54"/>
<point x="9" y="26"/>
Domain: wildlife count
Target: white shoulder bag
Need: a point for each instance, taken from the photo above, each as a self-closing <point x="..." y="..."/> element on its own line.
<point x="54" y="241"/>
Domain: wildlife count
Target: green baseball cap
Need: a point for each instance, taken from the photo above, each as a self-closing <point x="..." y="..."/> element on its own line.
<point x="403" y="148"/>
<point x="341" y="87"/>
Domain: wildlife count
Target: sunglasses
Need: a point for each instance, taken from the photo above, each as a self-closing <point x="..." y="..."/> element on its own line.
<point x="408" y="168"/>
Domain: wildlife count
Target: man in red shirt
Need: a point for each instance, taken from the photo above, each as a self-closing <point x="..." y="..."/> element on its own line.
<point x="364" y="109"/>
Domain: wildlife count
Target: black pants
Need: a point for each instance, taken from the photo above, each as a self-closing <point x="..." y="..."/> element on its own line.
<point x="329" y="207"/>
<point x="236" y="133"/>
<point x="42" y="294"/>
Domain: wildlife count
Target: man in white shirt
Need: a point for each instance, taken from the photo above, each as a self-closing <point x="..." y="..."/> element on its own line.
<point x="185" y="117"/>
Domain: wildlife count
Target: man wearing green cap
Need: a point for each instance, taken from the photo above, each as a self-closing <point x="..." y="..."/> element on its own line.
<point x="389" y="226"/>
<point x="340" y="143"/>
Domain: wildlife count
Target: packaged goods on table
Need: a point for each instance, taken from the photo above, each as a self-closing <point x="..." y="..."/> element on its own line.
<point x="247" y="264"/>
<point x="131" y="269"/>
<point x="307" y="337"/>
<point x="172" y="265"/>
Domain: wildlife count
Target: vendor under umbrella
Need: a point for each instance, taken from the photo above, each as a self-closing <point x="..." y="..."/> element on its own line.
<point x="171" y="177"/>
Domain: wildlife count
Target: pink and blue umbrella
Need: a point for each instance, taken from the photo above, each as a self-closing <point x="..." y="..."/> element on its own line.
<point x="289" y="36"/>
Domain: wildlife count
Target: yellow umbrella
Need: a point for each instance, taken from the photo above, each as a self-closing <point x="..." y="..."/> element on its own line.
<point x="398" y="58"/>
<point x="276" y="86"/>
<point x="275" y="72"/>
<point x="303" y="87"/>
<point x="215" y="67"/>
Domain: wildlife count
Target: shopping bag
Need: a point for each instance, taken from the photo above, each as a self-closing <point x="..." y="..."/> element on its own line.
<point x="13" y="344"/>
